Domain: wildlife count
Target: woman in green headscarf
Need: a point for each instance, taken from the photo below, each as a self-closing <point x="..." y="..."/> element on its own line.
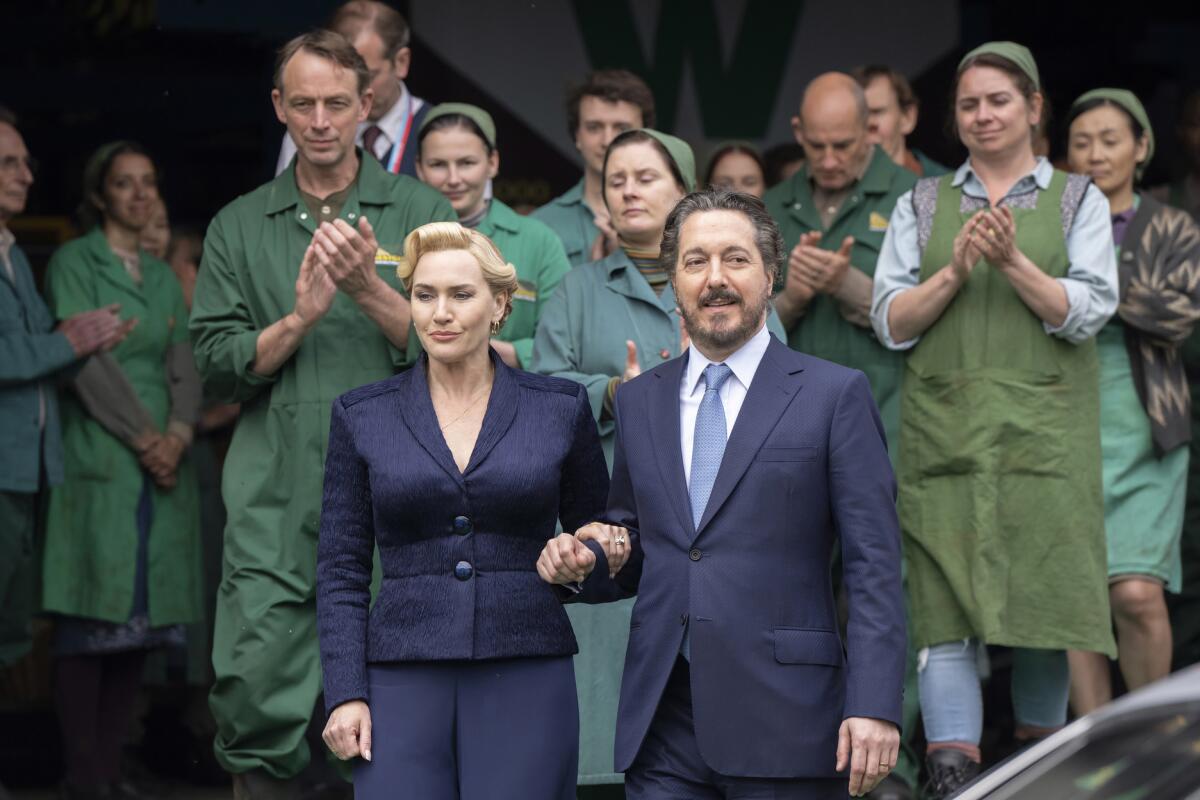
<point x="995" y="280"/>
<point x="1144" y="400"/>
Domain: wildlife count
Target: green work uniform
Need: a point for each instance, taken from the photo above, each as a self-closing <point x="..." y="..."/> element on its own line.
<point x="822" y="330"/>
<point x="31" y="353"/>
<point x="265" y="643"/>
<point x="929" y="167"/>
<point x="538" y="255"/>
<point x="999" y="466"/>
<point x="581" y="336"/>
<point x="88" y="566"/>
<point x="572" y="221"/>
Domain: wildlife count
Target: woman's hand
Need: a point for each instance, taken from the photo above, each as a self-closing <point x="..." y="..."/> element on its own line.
<point x="966" y="251"/>
<point x="632" y="367"/>
<point x="614" y="539"/>
<point x="995" y="236"/>
<point x="348" y="731"/>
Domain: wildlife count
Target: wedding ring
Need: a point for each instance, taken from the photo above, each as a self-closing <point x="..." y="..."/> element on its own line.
<point x="620" y="540"/>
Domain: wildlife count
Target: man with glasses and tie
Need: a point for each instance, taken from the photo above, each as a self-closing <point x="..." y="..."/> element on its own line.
<point x="382" y="37"/>
<point x="738" y="467"/>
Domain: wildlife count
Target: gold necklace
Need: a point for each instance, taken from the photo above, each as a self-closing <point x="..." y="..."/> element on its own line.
<point x="468" y="408"/>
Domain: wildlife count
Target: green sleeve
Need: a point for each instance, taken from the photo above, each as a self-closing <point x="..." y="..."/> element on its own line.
<point x="552" y="266"/>
<point x="559" y="342"/>
<point x="224" y="334"/>
<point x="70" y="288"/>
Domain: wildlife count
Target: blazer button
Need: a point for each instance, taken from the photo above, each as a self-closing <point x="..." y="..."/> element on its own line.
<point x="462" y="525"/>
<point x="695" y="555"/>
<point x="463" y="571"/>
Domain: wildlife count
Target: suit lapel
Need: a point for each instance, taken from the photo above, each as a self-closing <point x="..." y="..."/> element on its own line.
<point x="501" y="410"/>
<point x="775" y="384"/>
<point x="416" y="408"/>
<point x="664" y="434"/>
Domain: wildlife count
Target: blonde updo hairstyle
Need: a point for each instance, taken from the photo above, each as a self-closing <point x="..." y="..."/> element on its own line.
<point x="434" y="237"/>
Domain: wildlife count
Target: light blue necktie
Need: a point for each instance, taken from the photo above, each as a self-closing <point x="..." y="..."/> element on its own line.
<point x="708" y="443"/>
<point x="708" y="447"/>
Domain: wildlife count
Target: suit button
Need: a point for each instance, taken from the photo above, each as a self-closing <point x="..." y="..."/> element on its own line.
<point x="462" y="525"/>
<point x="463" y="571"/>
<point x="695" y="555"/>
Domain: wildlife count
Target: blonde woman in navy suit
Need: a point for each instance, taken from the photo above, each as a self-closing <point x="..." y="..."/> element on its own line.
<point x="459" y="682"/>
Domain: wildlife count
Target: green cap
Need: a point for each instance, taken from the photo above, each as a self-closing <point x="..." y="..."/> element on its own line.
<point x="1017" y="53"/>
<point x="1126" y="100"/>
<point x="474" y="113"/>
<point x="680" y="152"/>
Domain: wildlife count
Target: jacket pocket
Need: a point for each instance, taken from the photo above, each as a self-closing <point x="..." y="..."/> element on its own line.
<point x="805" y="453"/>
<point x="807" y="646"/>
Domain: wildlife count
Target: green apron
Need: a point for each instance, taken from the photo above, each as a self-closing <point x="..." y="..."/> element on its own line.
<point x="91" y="534"/>
<point x="1000" y="486"/>
<point x="822" y="331"/>
<point x="265" y="653"/>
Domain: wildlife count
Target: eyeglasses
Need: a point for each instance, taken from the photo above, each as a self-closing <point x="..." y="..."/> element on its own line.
<point x="12" y="164"/>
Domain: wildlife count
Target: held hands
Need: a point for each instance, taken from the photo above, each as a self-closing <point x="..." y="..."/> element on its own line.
<point x="567" y="559"/>
<point x="819" y="270"/>
<point x="870" y="748"/>
<point x="159" y="455"/>
<point x="613" y="538"/>
<point x="348" y="731"/>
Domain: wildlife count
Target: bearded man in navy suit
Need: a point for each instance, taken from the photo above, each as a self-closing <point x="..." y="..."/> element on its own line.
<point x="739" y="466"/>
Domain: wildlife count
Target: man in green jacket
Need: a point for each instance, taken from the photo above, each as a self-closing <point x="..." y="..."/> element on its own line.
<point x="33" y="353"/>
<point x="833" y="214"/>
<point x="297" y="302"/>
<point x="609" y="102"/>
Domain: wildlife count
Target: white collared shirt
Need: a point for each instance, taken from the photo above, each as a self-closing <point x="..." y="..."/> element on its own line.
<point x="744" y="363"/>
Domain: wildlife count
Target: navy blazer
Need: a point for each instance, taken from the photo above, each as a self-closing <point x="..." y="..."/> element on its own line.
<point x="458" y="550"/>
<point x="806" y="462"/>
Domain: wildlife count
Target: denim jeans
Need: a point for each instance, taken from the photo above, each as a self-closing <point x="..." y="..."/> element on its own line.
<point x="952" y="702"/>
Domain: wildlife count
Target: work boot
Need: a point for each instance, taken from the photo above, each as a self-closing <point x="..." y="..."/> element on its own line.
<point x="949" y="770"/>
<point x="891" y="788"/>
<point x="259" y="785"/>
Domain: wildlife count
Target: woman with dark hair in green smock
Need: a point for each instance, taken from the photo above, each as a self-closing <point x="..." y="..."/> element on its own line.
<point x="1144" y="400"/>
<point x="121" y="566"/>
<point x="457" y="155"/>
<point x="996" y="279"/>
<point x="608" y="321"/>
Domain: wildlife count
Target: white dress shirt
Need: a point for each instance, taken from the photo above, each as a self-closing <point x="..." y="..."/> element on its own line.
<point x="743" y="363"/>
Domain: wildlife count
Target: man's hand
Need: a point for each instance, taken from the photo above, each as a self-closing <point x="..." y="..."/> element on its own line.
<point x="565" y="560"/>
<point x="614" y="539"/>
<point x="822" y="270"/>
<point x="632" y="367"/>
<point x="348" y="255"/>
<point x="91" y="331"/>
<point x="348" y="731"/>
<point x="870" y="748"/>
<point x="315" y="290"/>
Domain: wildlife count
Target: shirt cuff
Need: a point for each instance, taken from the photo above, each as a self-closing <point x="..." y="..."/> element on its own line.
<point x="884" y="331"/>
<point x="182" y="430"/>
<point x="1077" y="297"/>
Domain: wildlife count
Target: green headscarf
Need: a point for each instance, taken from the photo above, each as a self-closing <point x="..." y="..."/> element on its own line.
<point x="474" y="113"/>
<point x="1017" y="53"/>
<point x="680" y="152"/>
<point x="1128" y="102"/>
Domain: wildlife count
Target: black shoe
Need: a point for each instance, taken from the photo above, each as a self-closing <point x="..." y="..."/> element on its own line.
<point x="891" y="788"/>
<point x="949" y="770"/>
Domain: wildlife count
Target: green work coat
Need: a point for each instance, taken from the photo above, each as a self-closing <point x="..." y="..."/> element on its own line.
<point x="1000" y="497"/>
<point x="822" y="331"/>
<point x="538" y="255"/>
<point x="581" y="336"/>
<point x="91" y="530"/>
<point x="265" y="654"/>
<point x="572" y="220"/>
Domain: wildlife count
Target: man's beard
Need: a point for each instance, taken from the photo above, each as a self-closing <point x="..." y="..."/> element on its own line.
<point x="728" y="335"/>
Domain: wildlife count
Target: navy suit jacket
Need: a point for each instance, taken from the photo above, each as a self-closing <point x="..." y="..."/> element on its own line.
<point x="805" y="464"/>
<point x="458" y="549"/>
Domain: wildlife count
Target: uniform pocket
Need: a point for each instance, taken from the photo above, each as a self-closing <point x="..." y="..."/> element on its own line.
<point x="807" y="646"/>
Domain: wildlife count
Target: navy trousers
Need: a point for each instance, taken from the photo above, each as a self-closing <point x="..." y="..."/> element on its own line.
<point x="669" y="765"/>
<point x="472" y="730"/>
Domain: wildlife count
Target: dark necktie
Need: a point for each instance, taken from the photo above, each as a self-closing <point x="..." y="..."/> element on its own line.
<point x="370" y="137"/>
